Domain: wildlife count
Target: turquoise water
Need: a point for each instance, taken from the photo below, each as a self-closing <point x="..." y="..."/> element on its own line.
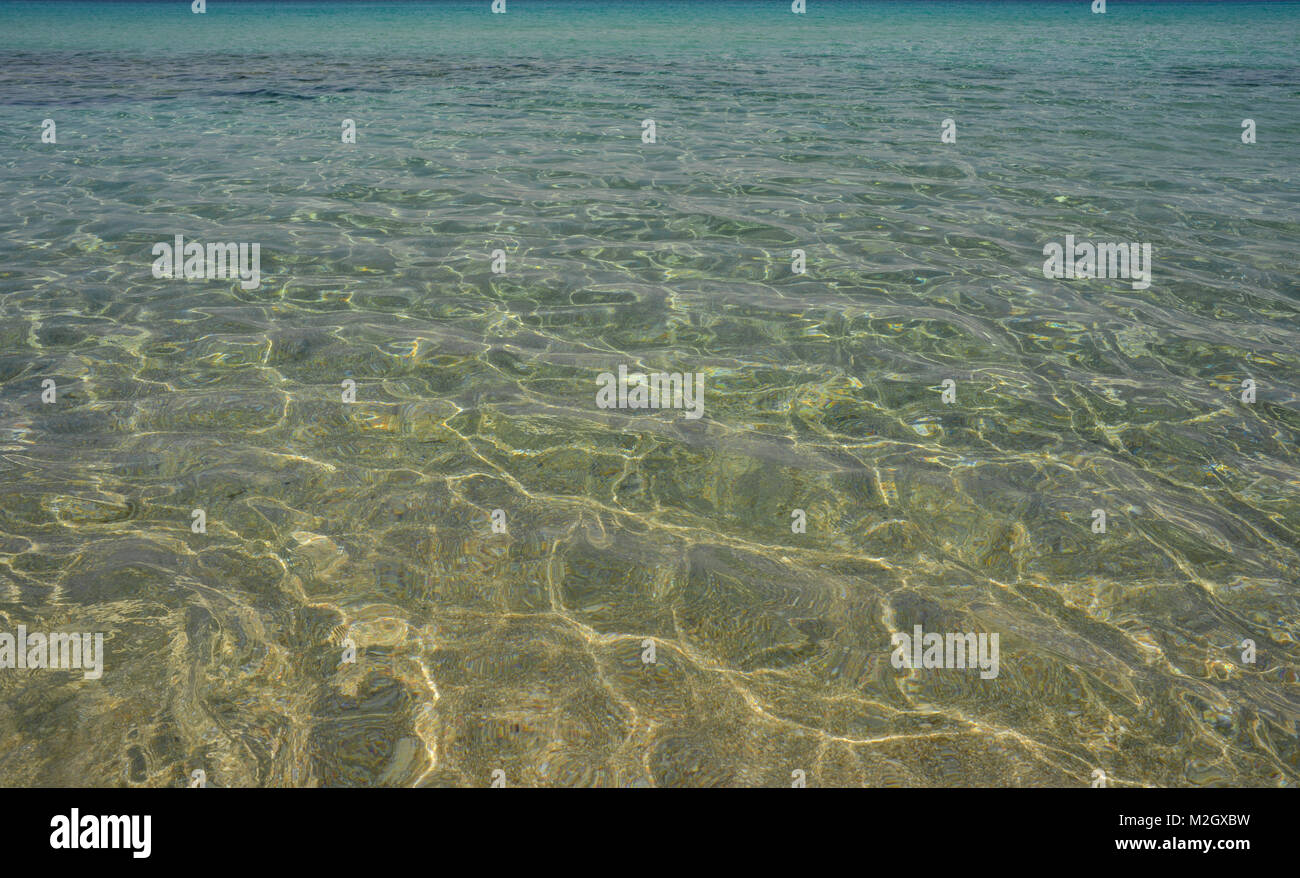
<point x="522" y="651"/>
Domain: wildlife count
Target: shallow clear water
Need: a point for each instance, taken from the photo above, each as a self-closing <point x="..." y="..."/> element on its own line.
<point x="522" y="651"/>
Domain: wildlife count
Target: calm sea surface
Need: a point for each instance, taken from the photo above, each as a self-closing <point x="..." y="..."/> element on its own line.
<point x="522" y="651"/>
